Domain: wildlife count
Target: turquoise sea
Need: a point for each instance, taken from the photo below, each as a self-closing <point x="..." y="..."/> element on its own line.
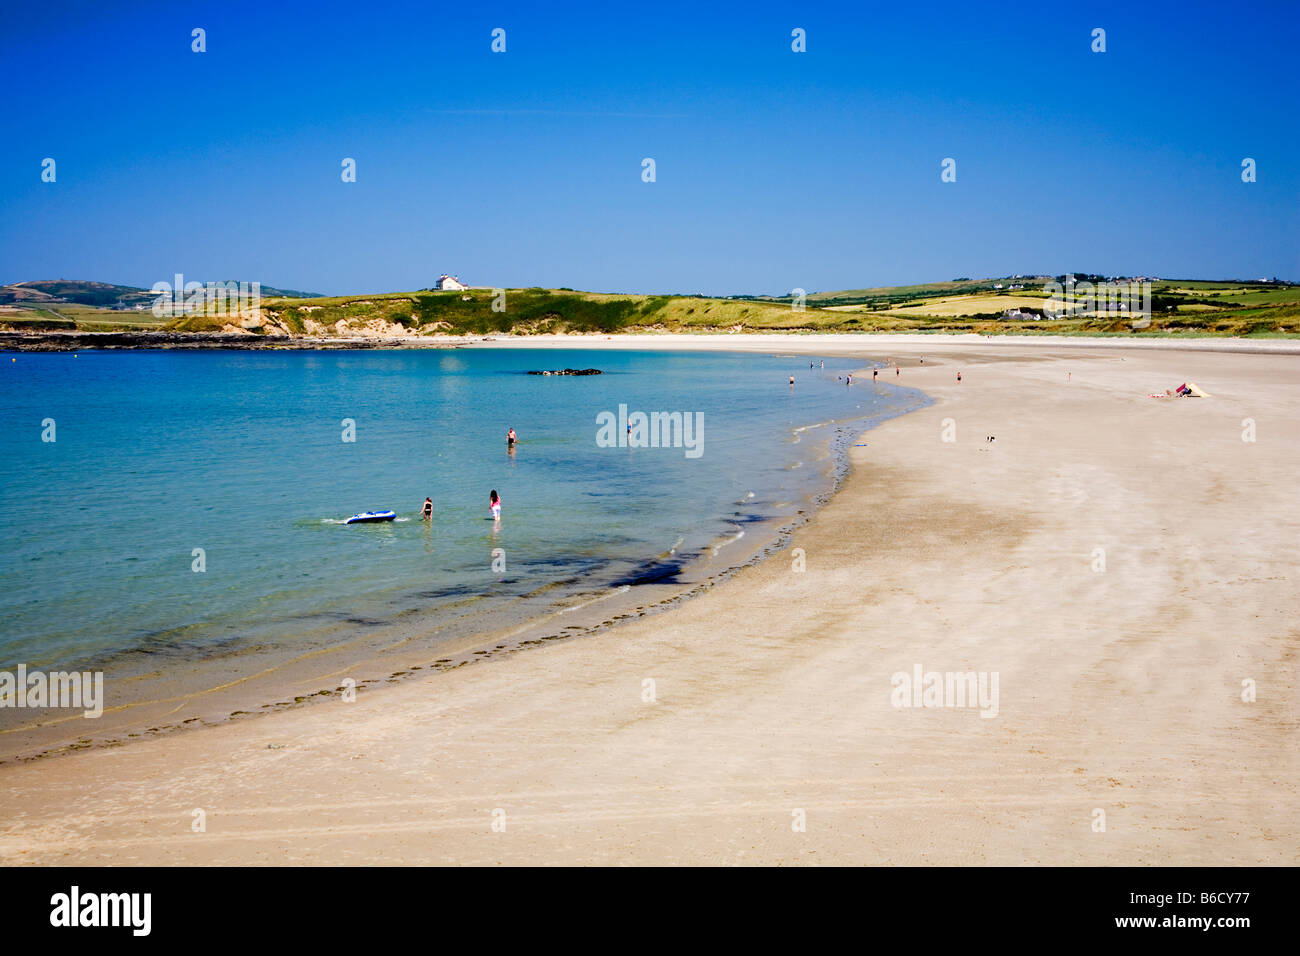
<point x="242" y="454"/>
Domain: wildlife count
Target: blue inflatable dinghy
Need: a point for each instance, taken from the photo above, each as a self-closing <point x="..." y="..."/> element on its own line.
<point x="371" y="517"/>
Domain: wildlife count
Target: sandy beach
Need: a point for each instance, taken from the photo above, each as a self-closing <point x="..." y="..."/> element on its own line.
<point x="1124" y="565"/>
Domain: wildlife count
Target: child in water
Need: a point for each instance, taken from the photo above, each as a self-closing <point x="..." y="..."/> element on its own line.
<point x="494" y="505"/>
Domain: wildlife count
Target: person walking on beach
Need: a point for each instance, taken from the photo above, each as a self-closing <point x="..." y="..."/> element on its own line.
<point x="494" y="505"/>
<point x="959" y="378"/>
<point x="874" y="372"/>
<point x="848" y="379"/>
<point x="426" y="513"/>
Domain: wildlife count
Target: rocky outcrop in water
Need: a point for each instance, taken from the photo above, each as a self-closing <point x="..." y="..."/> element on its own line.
<point x="566" y="371"/>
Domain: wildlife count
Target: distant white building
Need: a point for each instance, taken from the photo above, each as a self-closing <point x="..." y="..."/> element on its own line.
<point x="449" y="283"/>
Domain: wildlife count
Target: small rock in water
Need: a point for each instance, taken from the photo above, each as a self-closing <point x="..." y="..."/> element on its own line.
<point x="566" y="371"/>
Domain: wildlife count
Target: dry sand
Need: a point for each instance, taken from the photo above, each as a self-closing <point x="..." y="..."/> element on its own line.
<point x="1120" y="690"/>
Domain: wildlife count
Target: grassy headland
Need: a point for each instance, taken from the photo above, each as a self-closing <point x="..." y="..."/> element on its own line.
<point x="1178" y="307"/>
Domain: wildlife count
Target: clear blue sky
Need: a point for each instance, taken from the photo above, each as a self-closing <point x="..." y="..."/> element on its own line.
<point x="774" y="169"/>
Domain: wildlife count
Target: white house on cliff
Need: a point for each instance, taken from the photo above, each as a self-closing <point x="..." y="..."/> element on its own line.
<point x="449" y="283"/>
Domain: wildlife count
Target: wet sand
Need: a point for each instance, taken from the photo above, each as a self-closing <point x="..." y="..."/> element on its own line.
<point x="1120" y="670"/>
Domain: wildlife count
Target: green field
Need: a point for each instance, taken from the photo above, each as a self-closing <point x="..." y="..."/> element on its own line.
<point x="975" y="304"/>
<point x="1179" y="307"/>
<point x="87" y="318"/>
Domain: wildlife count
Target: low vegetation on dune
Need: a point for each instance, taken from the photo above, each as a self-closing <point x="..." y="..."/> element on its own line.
<point x="1232" y="309"/>
<point x="523" y="312"/>
<point x="986" y="306"/>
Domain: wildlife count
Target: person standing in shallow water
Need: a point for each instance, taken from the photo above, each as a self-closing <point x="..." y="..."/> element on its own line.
<point x="494" y="505"/>
<point x="426" y="513"/>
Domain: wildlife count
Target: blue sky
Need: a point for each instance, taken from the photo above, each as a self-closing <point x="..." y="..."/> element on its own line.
<point x="774" y="169"/>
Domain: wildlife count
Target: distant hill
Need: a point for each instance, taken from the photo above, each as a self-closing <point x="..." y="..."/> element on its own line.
<point x="51" y="291"/>
<point x="270" y="291"/>
<point x="102" y="295"/>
